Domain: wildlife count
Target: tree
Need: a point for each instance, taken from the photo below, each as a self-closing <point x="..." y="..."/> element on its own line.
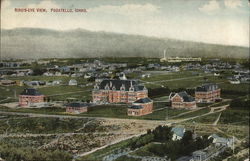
<point x="187" y="138"/>
<point x="162" y="133"/>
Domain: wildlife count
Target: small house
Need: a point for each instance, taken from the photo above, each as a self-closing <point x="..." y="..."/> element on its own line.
<point x="220" y="141"/>
<point x="7" y="82"/>
<point x="77" y="107"/>
<point x="72" y="82"/>
<point x="141" y="107"/>
<point x="182" y="100"/>
<point x="178" y="133"/>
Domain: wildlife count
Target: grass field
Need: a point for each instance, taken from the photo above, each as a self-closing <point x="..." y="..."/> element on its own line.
<point x="40" y="125"/>
<point x="209" y="119"/>
<point x="99" y="154"/>
<point x="235" y="117"/>
<point x="195" y="113"/>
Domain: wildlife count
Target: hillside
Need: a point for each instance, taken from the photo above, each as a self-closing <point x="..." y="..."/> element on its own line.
<point x="43" y="43"/>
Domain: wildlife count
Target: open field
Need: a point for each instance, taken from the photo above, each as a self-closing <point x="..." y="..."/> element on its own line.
<point x="70" y="136"/>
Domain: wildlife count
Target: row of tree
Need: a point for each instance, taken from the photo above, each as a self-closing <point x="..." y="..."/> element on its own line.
<point x="168" y="147"/>
<point x="238" y="103"/>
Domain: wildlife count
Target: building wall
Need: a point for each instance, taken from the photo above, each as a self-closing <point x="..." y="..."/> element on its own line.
<point x="26" y="100"/>
<point x="207" y="97"/>
<point x="147" y="108"/>
<point x="76" y="109"/>
<point x="177" y="102"/>
<point x="116" y="96"/>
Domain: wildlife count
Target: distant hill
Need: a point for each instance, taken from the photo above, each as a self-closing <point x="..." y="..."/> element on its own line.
<point x="43" y="43"/>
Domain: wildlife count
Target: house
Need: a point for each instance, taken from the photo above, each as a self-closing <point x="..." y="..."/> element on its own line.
<point x="5" y="82"/>
<point x="178" y="133"/>
<point x="72" y="82"/>
<point x="115" y="91"/>
<point x="31" y="97"/>
<point x="199" y="155"/>
<point x="141" y="107"/>
<point x="77" y="107"/>
<point x="220" y="141"/>
<point x="234" y="81"/>
<point x="122" y="76"/>
<point x="216" y="74"/>
<point x="182" y="100"/>
<point x="207" y="93"/>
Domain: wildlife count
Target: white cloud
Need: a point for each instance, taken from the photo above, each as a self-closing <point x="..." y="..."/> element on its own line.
<point x="127" y="9"/>
<point x="211" y="6"/>
<point x="232" y="4"/>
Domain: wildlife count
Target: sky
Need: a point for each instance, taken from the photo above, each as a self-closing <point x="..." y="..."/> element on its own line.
<point x="211" y="21"/>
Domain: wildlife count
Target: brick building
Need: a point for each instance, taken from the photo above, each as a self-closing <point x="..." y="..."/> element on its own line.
<point x="182" y="100"/>
<point x="115" y="91"/>
<point x="31" y="97"/>
<point x="207" y="93"/>
<point x="141" y="107"/>
<point x="77" y="107"/>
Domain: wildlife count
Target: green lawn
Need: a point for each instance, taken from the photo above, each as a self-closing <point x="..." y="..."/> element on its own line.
<point x="99" y="154"/>
<point x="195" y="113"/>
<point x="235" y="117"/>
<point x="144" y="151"/>
<point x="41" y="125"/>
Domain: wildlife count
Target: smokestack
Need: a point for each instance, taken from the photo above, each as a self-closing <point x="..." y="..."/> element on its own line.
<point x="164" y="52"/>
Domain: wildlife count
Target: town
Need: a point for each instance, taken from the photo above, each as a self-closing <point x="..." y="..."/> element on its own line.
<point x="126" y="108"/>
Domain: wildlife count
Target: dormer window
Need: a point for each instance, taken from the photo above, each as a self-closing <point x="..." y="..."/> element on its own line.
<point x="122" y="87"/>
<point x="107" y="87"/>
<point x="96" y="86"/>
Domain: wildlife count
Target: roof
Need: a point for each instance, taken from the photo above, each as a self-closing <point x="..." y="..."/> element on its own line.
<point x="179" y="131"/>
<point x="214" y="136"/>
<point x="218" y="139"/>
<point x="117" y="84"/>
<point x="78" y="104"/>
<point x="199" y="152"/>
<point x="207" y="87"/>
<point x="31" y="92"/>
<point x="184" y="96"/>
<point x="72" y="80"/>
<point x="143" y="100"/>
<point x="135" y="107"/>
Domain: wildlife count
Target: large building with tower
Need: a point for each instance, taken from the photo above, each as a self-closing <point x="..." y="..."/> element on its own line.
<point x="207" y="93"/>
<point x="117" y="91"/>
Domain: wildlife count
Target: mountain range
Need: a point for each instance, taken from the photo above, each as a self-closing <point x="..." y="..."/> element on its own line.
<point x="30" y="43"/>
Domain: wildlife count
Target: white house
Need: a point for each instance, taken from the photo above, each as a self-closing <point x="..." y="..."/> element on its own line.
<point x="178" y="133"/>
<point x="220" y="141"/>
<point x="72" y="82"/>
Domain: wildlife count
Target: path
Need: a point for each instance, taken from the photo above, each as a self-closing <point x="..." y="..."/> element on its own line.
<point x="176" y="79"/>
<point x="217" y="120"/>
<point x="112" y="143"/>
